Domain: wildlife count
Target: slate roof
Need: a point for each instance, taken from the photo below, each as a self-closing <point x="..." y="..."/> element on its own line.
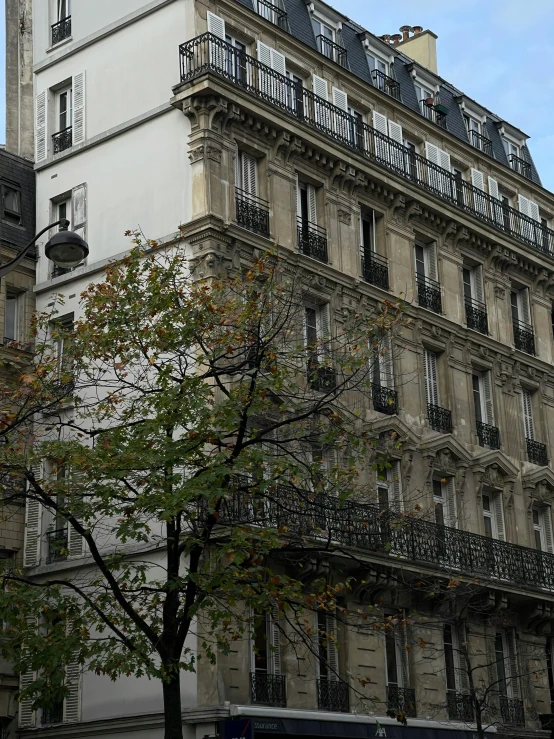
<point x="18" y="172"/>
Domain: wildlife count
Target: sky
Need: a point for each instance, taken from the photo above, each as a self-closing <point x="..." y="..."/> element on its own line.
<point x="498" y="52"/>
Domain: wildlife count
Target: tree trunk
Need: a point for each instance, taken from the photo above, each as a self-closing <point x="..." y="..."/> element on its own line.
<point x="172" y="707"/>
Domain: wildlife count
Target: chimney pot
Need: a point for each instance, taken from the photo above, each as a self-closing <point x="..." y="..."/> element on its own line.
<point x="396" y="38"/>
<point x="417" y="29"/>
<point x="405" y="30"/>
<point x="386" y="38"/>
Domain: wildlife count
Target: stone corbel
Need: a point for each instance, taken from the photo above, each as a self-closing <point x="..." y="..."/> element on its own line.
<point x="461" y="236"/>
<point x="508" y="494"/>
<point x="397" y="209"/>
<point x="344" y="216"/>
<point x="286" y="145"/>
<point x="542" y="280"/>
<point x="429" y="461"/>
<point x="501" y="258"/>
<point x="461" y="472"/>
<point x="406" y="466"/>
<point x="479" y="477"/>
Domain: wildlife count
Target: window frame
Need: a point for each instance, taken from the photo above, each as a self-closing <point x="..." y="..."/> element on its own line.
<point x="11" y="216"/>
<point x="16" y="296"/>
<point x="67" y="90"/>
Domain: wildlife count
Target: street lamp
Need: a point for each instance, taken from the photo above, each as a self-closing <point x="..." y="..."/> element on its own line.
<point x="66" y="248"/>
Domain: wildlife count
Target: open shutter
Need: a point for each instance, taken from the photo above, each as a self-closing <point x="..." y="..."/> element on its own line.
<point x="523" y="305"/>
<point x="386" y="368"/>
<point x="478" y="181"/>
<point x="434" y="174"/>
<point x="450" y="496"/>
<point x="396" y="499"/>
<point x="493" y="188"/>
<point x="275" y="636"/>
<point x="248" y="174"/>
<point x="487" y="392"/>
<point x="401" y="637"/>
<point x="534" y="211"/>
<point x="432" y="153"/>
<point x="323" y="322"/>
<point x="216" y="25"/>
<point x="312" y="210"/>
<point x="499" y="517"/>
<point x="548" y="539"/>
<point x="278" y="62"/>
<point x="79" y="114"/>
<point x="397" y="152"/>
<point x="496" y="207"/>
<point x="321" y="110"/>
<point x="431" y="254"/>
<point x="33" y="526"/>
<point x="341" y="118"/>
<point x="463" y="678"/>
<point x="447" y="183"/>
<point x="279" y="65"/>
<point x="79" y="210"/>
<point x="27" y="716"/>
<point x="340" y="99"/>
<point x="512" y="662"/>
<point x="524" y="206"/>
<point x="527" y="414"/>
<point x="72" y="702"/>
<point x="41" y="118"/>
<point x="431" y="385"/>
<point x="265" y="80"/>
<point x="477" y="273"/>
<point x="332" y="651"/>
<point x="320" y="87"/>
<point x="382" y="149"/>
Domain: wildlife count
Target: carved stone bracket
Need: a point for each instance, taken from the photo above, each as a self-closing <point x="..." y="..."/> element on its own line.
<point x="345" y="216"/>
<point x="286" y="146"/>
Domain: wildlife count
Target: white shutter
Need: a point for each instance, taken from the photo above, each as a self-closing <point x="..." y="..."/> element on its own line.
<point x="321" y="111"/>
<point x="332" y="651"/>
<point x="435" y="177"/>
<point x="341" y="123"/>
<point x="79" y="210"/>
<point x="496" y="207"/>
<point x="33" y="525"/>
<point x="27" y="716"/>
<point x="312" y="209"/>
<point x="397" y="152"/>
<point x="386" y="369"/>
<point x="478" y="181"/>
<point x="534" y="211"/>
<point x="395" y="132"/>
<point x="524" y="205"/>
<point x="488" y="400"/>
<point x="512" y="663"/>
<point x="523" y="305"/>
<point x="431" y="385"/>
<point x="323" y="322"/>
<point x="275" y="636"/>
<point x="278" y="62"/>
<point x="444" y="160"/>
<point x="79" y="114"/>
<point x="432" y="153"/>
<point x="493" y="188"/>
<point x="72" y="702"/>
<point x="431" y="254"/>
<point x="248" y="173"/>
<point x="499" y="517"/>
<point x="265" y="80"/>
<point x="527" y="414"/>
<point x="547" y="519"/>
<point x="264" y="54"/>
<point x="320" y="87"/>
<point x="340" y="99"/>
<point x="395" y="497"/>
<point x="75" y="542"/>
<point x="477" y="274"/>
<point x="298" y="199"/>
<point x="41" y="125"/>
<point x="382" y="149"/>
<point x="449" y="491"/>
<point x="216" y="25"/>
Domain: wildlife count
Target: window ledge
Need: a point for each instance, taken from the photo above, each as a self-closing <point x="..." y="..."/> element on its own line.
<point x="55" y="47"/>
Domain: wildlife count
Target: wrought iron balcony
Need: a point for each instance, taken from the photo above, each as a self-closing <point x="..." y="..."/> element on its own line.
<point x="432" y="109"/>
<point x="429" y="294"/>
<point x="320" y="376"/>
<point x="208" y="54"/>
<point x="385" y="83"/>
<point x="332" y="50"/>
<point x="520" y="166"/>
<point x="384" y="399"/>
<point x="272" y="13"/>
<point x="252" y="212"/>
<point x="52" y="714"/>
<point x="401" y="701"/>
<point x="375" y="270"/>
<point x="333" y="695"/>
<point x="481" y="142"/>
<point x="524" y="339"/>
<point x="536" y="452"/>
<point x="476" y="316"/>
<point x="61" y="30"/>
<point x="512" y="712"/>
<point x="440" y="419"/>
<point x="312" y="239"/>
<point x="267" y="689"/>
<point x="460" y="707"/>
<point x="62" y="140"/>
<point x="57" y="545"/>
<point x="488" y="435"/>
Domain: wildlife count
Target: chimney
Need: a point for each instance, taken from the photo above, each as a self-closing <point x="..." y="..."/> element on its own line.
<point x="421" y="47"/>
<point x="396" y="38"/>
<point x="417" y="30"/>
<point x="405" y="31"/>
<point x="385" y="37"/>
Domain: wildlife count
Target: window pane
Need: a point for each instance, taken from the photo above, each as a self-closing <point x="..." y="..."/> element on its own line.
<point x="260" y="644"/>
<point x="486" y="503"/>
<point x="500" y="666"/>
<point x="12" y="200"/>
<point x="449" y="658"/>
<point x="10" y="322"/>
<point x="392" y="668"/>
<point x="311" y="327"/>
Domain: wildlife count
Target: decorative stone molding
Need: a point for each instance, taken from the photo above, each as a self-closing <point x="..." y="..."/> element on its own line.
<point x="205" y="151"/>
<point x="344" y="216"/>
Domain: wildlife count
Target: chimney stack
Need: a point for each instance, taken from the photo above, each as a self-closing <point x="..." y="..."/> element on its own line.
<point x="420" y="46"/>
<point x="417" y="30"/>
<point x="396" y="38"/>
<point x="405" y="31"/>
<point x="386" y="38"/>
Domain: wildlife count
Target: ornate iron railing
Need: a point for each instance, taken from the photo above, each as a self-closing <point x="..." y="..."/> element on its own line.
<point x="434" y="111"/>
<point x="375" y="270"/>
<point x="536" y="452"/>
<point x="384" y="399"/>
<point x="429" y="293"/>
<point x="524" y="338"/>
<point x="488" y="435"/>
<point x="320" y="376"/>
<point x="268" y="689"/>
<point x="460" y="706"/>
<point x="210" y="54"/>
<point x="440" y="419"/>
<point x="332" y="50"/>
<point x="476" y="315"/>
<point x="333" y="695"/>
<point x="481" y="142"/>
<point x="512" y="712"/>
<point x="252" y="212"/>
<point x="402" y="701"/>
<point x="52" y="714"/>
<point x="61" y="30"/>
<point x="62" y="140"/>
<point x="520" y="166"/>
<point x="312" y="239"/>
<point x="385" y="83"/>
<point x="57" y="545"/>
<point x="272" y="13"/>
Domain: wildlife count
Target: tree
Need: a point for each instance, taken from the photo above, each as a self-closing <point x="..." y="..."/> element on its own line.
<point x="149" y="433"/>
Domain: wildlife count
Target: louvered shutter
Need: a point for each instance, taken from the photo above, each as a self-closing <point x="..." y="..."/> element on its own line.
<point x="72" y="702"/>
<point x="450" y="497"/>
<point x="499" y="517"/>
<point x="41" y="119"/>
<point x="298" y="199"/>
<point x="320" y="87"/>
<point x="547" y="519"/>
<point x="382" y="150"/>
<point x="321" y="110"/>
<point x="444" y="160"/>
<point x="433" y="174"/>
<point x="312" y="209"/>
<point x="279" y="65"/>
<point x="248" y="174"/>
<point x="402" y="647"/>
<point x="332" y="651"/>
<point x="431" y="385"/>
<point x="216" y="26"/>
<point x="463" y="678"/>
<point x="265" y="79"/>
<point x="477" y="273"/>
<point x="27" y="716"/>
<point x="534" y="211"/>
<point x="432" y="153"/>
<point x="487" y="391"/>
<point x="79" y="210"/>
<point x="79" y="112"/>
<point x="75" y="542"/>
<point x="33" y="525"/>
<point x="496" y="207"/>
<point x="323" y="322"/>
<point x="493" y="188"/>
<point x="431" y="253"/>
<point x="340" y="99"/>
<point x="513" y="663"/>
<point x="386" y="367"/>
<point x="278" y="62"/>
<point x="478" y="181"/>
<point x="396" y="498"/>
<point x="341" y="119"/>
<point x="397" y="152"/>
<point x="275" y="636"/>
<point x="523" y="305"/>
<point x="447" y="182"/>
<point x="527" y="414"/>
<point x="524" y="206"/>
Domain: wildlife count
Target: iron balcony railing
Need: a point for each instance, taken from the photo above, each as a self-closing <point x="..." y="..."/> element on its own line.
<point x="512" y="712"/>
<point x="536" y="452"/>
<point x="520" y="166"/>
<point x="52" y="714"/>
<point x="210" y="54"/>
<point x="57" y="545"/>
<point x="384" y="399"/>
<point x="268" y="690"/>
<point x="402" y="701"/>
<point x="321" y="377"/>
<point x="440" y="419"/>
<point x="481" y="142"/>
<point x="524" y="338"/>
<point x="460" y="706"/>
<point x="385" y="83"/>
<point x="272" y="13"/>
<point x="476" y="315"/>
<point x="375" y="270"/>
<point x="333" y="695"/>
<point x="434" y="111"/>
<point x="332" y="50"/>
<point x="61" y="30"/>
<point x="252" y="212"/>
<point x="429" y="293"/>
<point x="488" y="435"/>
<point x="62" y="140"/>
<point x="312" y="239"/>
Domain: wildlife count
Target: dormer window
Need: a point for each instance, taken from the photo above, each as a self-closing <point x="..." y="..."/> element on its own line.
<point x="381" y="75"/>
<point x="476" y="133"/>
<point x="326" y="36"/>
<point x="376" y="64"/>
<point x="515" y="157"/>
<point x="426" y="100"/>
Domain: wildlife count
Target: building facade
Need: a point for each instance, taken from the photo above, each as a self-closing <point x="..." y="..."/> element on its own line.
<point x="248" y="124"/>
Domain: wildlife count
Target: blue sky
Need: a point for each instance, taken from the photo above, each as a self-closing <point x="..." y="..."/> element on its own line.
<point x="499" y="52"/>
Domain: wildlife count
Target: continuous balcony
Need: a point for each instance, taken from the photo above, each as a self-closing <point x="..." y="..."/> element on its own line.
<point x="460" y="706"/>
<point x="536" y="452"/>
<point x="332" y="50"/>
<point x="385" y="83"/>
<point x="375" y="270"/>
<point x="269" y="690"/>
<point x="62" y="140"/>
<point x="272" y="13"/>
<point x="384" y="399"/>
<point x="520" y="166"/>
<point x="312" y="240"/>
<point x="476" y="316"/>
<point x="440" y="419"/>
<point x="333" y="695"/>
<point x="429" y="294"/>
<point x="57" y="545"/>
<point x="488" y="435"/>
<point x="401" y="701"/>
<point x="481" y="142"/>
<point x="524" y="338"/>
<point x="208" y="54"/>
<point x="61" y="30"/>
<point x="252" y="212"/>
<point x="512" y="712"/>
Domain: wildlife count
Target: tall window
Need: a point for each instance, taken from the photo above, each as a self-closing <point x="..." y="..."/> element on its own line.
<point x="325" y="36"/>
<point x="382" y="378"/>
<point x="11" y="203"/>
<point x="506" y="663"/>
<point x="484" y="410"/>
<point x="389" y="488"/>
<point x="64" y="10"/>
<point x="267" y="683"/>
<point x="377" y="64"/>
<point x="428" y="288"/>
<point x="521" y="320"/>
<point x="474" y="298"/>
<point x="306" y="203"/>
<point x="527" y="409"/>
<point x="328" y="662"/>
<point x="444" y="499"/>
<point x="493" y="516"/>
<point x="431" y="379"/>
<point x="456" y="675"/>
<point x="65" y="108"/>
<point x="542" y="528"/>
<point x="12" y="315"/>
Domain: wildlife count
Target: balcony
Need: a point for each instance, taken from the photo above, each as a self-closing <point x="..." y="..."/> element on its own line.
<point x="488" y="436"/>
<point x="536" y="452"/>
<point x="440" y="419"/>
<point x="384" y="399"/>
<point x="332" y="50"/>
<point x="524" y="339"/>
<point x="433" y="110"/>
<point x="61" y="30"/>
<point x="320" y="377"/>
<point x="333" y="695"/>
<point x="476" y="316"/>
<point x="429" y="294"/>
<point x="252" y="212"/>
<point x="269" y="690"/>
<point x="57" y="545"/>
<point x="312" y="239"/>
<point x="62" y="140"/>
<point x="401" y="701"/>
<point x="208" y="54"/>
<point x="520" y="166"/>
<point x="511" y="710"/>
<point x="460" y="707"/>
<point x="272" y="13"/>
<point x="480" y="142"/>
<point x="375" y="270"/>
<point x="385" y="83"/>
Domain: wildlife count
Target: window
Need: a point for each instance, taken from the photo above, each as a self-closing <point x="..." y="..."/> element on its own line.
<point x="456" y="675"/>
<point x="12" y="316"/>
<point x="65" y="109"/>
<point x="295" y="93"/>
<point x="72" y="206"/>
<point x="64" y="9"/>
<point x="306" y="203"/>
<point x="521" y="320"/>
<point x="510" y="148"/>
<point x="325" y="38"/>
<point x="472" y="125"/>
<point x="328" y="662"/>
<point x="272" y="11"/>
<point x="493" y="516"/>
<point x="389" y="488"/>
<point x="426" y="99"/>
<point x="430" y="374"/>
<point x="400" y="698"/>
<point x="61" y="328"/>
<point x="246" y="173"/>
<point x="439" y="170"/>
<point x="267" y="683"/>
<point x="382" y="378"/>
<point x="444" y="499"/>
<point x="527" y="408"/>
<point x="482" y="398"/>
<point x="376" y="64"/>
<point x="542" y="528"/>
<point x="428" y="288"/>
<point x="374" y="266"/>
<point x="316" y="339"/>
<point x="312" y="238"/>
<point x="474" y="299"/>
<point x="506" y="663"/>
<point x="11" y="203"/>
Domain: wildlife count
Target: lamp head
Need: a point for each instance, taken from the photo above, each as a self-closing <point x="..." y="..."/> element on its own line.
<point x="66" y="248"/>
